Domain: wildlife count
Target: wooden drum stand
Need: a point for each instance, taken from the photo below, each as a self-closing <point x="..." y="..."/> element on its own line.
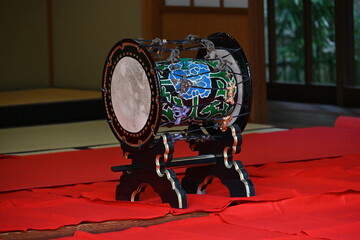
<point x="154" y="167"/>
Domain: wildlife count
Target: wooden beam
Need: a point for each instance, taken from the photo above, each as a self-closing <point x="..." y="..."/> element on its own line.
<point x="257" y="61"/>
<point x="151" y="18"/>
<point x="345" y="66"/>
<point x="50" y="42"/>
<point x="271" y="40"/>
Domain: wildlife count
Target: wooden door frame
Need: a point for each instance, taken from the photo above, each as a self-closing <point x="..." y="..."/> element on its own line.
<point x="257" y="60"/>
<point x="151" y="27"/>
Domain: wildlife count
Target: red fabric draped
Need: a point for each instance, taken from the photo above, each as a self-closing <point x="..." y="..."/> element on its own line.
<point x="347" y="122"/>
<point x="49" y="208"/>
<point x="330" y="216"/>
<point x="25" y="210"/>
<point x="210" y="228"/>
<point x="299" y="144"/>
<point x="58" y="169"/>
<point x="301" y="193"/>
<point x="85" y="166"/>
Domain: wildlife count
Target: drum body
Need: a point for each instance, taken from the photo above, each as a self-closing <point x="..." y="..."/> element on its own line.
<point x="204" y="96"/>
<point x="141" y="95"/>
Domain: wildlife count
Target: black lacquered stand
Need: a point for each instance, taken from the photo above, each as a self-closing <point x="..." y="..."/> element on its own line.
<point x="154" y="167"/>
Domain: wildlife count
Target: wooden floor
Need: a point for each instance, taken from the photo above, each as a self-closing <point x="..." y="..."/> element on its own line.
<point x="49" y="106"/>
<point x="45" y="95"/>
<point x="298" y="115"/>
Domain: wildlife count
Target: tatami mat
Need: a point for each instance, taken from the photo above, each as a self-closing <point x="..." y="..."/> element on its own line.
<point x="56" y="137"/>
<point x="65" y="137"/>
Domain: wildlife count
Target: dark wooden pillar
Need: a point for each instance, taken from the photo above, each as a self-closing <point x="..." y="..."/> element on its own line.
<point x="257" y="60"/>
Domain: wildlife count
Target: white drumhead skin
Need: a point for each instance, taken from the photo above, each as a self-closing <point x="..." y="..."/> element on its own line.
<point x="130" y="94"/>
<point x="225" y="55"/>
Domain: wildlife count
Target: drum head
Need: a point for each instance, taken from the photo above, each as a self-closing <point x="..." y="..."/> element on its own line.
<point x="131" y="94"/>
<point x="238" y="64"/>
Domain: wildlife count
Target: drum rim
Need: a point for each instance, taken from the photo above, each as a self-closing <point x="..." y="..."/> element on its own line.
<point x="145" y="136"/>
<point x="225" y="40"/>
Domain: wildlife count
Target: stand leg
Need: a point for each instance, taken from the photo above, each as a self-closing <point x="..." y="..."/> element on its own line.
<point x="153" y="172"/>
<point x="235" y="178"/>
<point x="132" y="184"/>
<point x="231" y="173"/>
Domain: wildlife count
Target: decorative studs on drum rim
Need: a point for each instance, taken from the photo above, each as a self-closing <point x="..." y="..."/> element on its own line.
<point x="212" y="90"/>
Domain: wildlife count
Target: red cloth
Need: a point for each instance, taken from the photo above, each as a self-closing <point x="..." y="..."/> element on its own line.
<point x="347" y="122"/>
<point x="273" y="181"/>
<point x="49" y="208"/>
<point x="329" y="216"/>
<point x="85" y="166"/>
<point x="57" y="169"/>
<point x="298" y="144"/>
<point x="210" y="228"/>
<point x="105" y="191"/>
<point x="24" y="210"/>
<point x="276" y="181"/>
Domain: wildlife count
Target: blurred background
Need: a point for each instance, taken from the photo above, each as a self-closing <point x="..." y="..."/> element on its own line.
<point x="304" y="54"/>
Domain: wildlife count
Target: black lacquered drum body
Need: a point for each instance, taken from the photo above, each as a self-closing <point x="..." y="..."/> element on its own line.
<point x="142" y="95"/>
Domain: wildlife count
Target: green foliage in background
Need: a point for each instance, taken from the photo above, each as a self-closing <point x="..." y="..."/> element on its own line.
<point x="289" y="17"/>
<point x="323" y="45"/>
<point x="289" y="32"/>
<point x="357" y="41"/>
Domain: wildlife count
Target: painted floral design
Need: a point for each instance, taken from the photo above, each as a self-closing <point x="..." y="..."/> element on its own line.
<point x="198" y="74"/>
